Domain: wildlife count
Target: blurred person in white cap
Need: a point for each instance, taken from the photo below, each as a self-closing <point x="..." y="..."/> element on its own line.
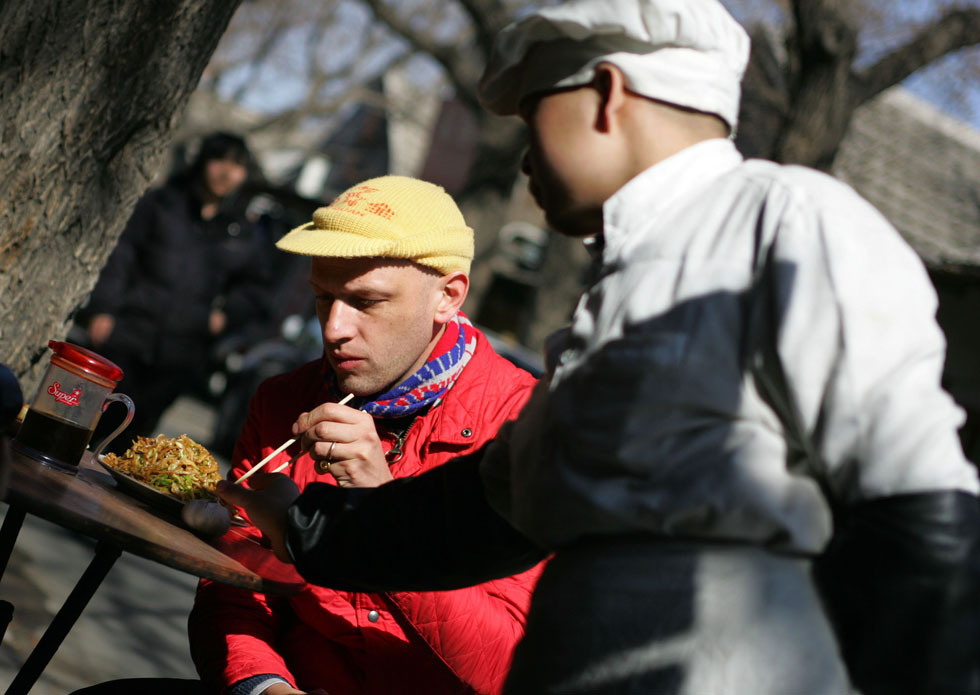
<point x="390" y="271"/>
<point x="751" y="383"/>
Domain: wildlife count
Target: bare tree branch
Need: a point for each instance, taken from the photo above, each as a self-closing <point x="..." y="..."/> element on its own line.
<point x="458" y="66"/>
<point x="264" y="50"/>
<point x="314" y="108"/>
<point x="313" y="46"/>
<point x="821" y="90"/>
<point x="488" y="17"/>
<point x="765" y="104"/>
<point x="823" y="32"/>
<point x="957" y="29"/>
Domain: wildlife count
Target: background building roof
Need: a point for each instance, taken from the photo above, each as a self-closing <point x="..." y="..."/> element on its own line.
<point x="921" y="168"/>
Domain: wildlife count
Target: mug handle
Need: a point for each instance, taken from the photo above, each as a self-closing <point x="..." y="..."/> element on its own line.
<point x="122" y="398"/>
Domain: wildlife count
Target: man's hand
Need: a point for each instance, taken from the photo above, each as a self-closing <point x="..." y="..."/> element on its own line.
<point x="345" y="438"/>
<point x="266" y="502"/>
<point x="100" y="328"/>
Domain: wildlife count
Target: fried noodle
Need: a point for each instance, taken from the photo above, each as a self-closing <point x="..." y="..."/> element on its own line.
<point x="178" y="466"/>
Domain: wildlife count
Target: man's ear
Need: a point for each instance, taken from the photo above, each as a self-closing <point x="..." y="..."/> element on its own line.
<point x="453" y="290"/>
<point x="611" y="87"/>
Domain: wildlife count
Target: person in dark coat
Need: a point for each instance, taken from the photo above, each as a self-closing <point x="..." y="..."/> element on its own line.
<point x="188" y="269"/>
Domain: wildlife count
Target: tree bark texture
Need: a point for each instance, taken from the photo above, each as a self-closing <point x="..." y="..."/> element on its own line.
<point x="822" y="96"/>
<point x="90" y="93"/>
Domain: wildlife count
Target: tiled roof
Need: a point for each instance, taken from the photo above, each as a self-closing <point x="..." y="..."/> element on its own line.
<point x="921" y="168"/>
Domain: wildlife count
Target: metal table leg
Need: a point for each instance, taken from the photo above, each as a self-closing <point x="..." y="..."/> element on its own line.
<point x="12" y="522"/>
<point x="6" y="614"/>
<point x="105" y="556"/>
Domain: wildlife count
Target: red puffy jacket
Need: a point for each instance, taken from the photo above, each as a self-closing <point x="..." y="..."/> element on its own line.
<point x="372" y="644"/>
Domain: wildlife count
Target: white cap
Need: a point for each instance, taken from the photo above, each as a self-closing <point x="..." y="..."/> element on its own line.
<point x="690" y="53"/>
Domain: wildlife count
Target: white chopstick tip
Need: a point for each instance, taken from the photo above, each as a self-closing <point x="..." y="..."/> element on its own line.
<point x="266" y="460"/>
<point x="287" y="443"/>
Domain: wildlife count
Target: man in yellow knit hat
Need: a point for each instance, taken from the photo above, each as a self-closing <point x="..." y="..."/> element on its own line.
<point x="390" y="264"/>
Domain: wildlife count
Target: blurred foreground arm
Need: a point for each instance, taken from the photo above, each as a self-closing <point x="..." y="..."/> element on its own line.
<point x="368" y="539"/>
<point x="360" y="539"/>
<point x="903" y="582"/>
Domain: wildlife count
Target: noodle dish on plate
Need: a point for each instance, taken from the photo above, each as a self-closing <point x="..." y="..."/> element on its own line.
<point x="175" y="467"/>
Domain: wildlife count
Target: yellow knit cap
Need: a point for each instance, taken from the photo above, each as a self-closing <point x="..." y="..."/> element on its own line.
<point x="388" y="217"/>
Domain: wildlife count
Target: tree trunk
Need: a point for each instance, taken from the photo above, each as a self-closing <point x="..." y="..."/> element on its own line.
<point x="489" y="186"/>
<point x="89" y="95"/>
<point x="824" y="94"/>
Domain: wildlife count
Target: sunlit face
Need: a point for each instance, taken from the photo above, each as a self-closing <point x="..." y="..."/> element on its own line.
<point x="223" y="176"/>
<point x="377" y="317"/>
<point x="565" y="159"/>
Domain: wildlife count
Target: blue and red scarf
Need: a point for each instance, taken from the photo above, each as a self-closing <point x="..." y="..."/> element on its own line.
<point x="427" y="386"/>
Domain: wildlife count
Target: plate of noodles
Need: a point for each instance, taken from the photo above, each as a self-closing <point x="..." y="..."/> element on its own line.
<point x="165" y="472"/>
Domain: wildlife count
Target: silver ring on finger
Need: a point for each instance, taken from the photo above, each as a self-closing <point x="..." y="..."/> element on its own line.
<point x="323" y="465"/>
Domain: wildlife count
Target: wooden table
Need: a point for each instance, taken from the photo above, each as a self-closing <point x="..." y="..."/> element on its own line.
<point x="88" y="502"/>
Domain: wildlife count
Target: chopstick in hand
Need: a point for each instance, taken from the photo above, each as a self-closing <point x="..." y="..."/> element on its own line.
<point x="284" y="445"/>
<point x="256" y="467"/>
<point x="288" y="463"/>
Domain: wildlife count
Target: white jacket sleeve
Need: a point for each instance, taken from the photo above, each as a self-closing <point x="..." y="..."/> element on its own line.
<point x="861" y="348"/>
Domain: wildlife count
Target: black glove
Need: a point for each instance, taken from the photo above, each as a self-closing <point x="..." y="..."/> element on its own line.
<point x="901" y="580"/>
